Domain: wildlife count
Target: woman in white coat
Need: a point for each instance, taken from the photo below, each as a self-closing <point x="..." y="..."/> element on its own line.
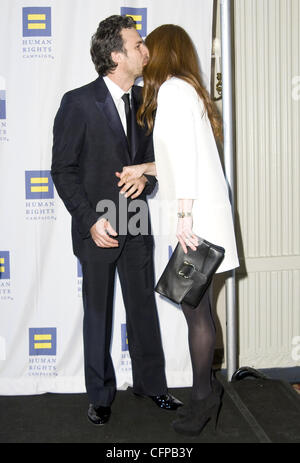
<point x="191" y="181"/>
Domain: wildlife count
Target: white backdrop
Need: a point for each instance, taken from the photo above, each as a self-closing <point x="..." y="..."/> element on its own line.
<point x="44" y="53"/>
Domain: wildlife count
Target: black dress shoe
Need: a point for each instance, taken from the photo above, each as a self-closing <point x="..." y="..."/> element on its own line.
<point x="165" y="401"/>
<point x="98" y="415"/>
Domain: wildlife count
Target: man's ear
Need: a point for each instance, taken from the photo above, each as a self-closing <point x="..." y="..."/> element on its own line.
<point x="116" y="56"/>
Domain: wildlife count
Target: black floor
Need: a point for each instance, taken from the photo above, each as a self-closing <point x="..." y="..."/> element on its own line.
<point x="254" y="411"/>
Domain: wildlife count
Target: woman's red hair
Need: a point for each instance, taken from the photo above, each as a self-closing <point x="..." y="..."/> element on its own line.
<point x="172" y="53"/>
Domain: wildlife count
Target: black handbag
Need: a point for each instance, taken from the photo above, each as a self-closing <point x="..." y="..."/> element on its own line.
<point x="187" y="276"/>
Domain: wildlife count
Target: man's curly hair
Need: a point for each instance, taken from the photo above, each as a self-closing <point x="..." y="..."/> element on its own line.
<point x="107" y="39"/>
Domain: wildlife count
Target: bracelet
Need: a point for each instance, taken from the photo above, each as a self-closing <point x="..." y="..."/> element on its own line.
<point x="184" y="214"/>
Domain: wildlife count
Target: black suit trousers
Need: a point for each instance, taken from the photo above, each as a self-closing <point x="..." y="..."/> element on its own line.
<point x="136" y="274"/>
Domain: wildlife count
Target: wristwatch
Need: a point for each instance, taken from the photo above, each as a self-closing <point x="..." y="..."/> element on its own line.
<point x="180" y="215"/>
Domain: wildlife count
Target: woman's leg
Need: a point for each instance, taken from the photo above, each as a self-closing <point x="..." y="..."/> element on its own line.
<point x="201" y="337"/>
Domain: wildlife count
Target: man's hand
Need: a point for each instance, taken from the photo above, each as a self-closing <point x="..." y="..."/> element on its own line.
<point x="99" y="232"/>
<point x="133" y="187"/>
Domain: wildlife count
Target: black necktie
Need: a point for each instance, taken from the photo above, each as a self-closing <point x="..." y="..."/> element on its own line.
<point x="126" y="100"/>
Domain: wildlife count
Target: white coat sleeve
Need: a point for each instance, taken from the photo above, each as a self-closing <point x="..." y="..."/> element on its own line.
<point x="178" y="128"/>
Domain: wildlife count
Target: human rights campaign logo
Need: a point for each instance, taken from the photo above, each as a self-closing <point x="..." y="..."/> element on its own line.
<point x="2" y="104"/>
<point x="39" y="184"/>
<point x="42" y="341"/>
<point x="124" y="337"/>
<point x="139" y="15"/>
<point x="79" y="279"/>
<point x="79" y="269"/>
<point x="36" y="21"/>
<point x="4" y="265"/>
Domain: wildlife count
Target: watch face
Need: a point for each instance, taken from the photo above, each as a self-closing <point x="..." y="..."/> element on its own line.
<point x="184" y="214"/>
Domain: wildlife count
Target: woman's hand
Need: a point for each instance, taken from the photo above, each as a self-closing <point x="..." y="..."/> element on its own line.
<point x="185" y="234"/>
<point x="130" y="173"/>
<point x="133" y="187"/>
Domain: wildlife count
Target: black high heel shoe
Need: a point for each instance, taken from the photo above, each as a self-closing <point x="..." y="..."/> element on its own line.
<point x="201" y="412"/>
<point x="216" y="387"/>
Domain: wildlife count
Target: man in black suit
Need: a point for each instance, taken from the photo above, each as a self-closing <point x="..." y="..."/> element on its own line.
<point x="95" y="136"/>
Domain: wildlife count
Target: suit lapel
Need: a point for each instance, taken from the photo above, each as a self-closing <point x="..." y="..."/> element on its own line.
<point x="106" y="106"/>
<point x="134" y="125"/>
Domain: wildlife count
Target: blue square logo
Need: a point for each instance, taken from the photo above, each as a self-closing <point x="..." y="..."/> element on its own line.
<point x="2" y="104"/>
<point x="4" y="265"/>
<point x="79" y="269"/>
<point x="36" y="21"/>
<point x="124" y="337"/>
<point x="139" y="15"/>
<point x="42" y="341"/>
<point x="38" y="184"/>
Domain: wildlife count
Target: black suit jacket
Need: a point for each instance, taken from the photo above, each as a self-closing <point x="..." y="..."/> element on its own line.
<point x="89" y="146"/>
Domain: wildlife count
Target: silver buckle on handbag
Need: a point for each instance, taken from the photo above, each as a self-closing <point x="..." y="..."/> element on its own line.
<point x="188" y="264"/>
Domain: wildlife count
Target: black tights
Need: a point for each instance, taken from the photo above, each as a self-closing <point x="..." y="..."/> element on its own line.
<point x="202" y="337"/>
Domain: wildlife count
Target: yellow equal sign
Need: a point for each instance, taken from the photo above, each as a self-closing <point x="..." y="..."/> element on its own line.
<point x="36" y="17"/>
<point x="2" y="262"/>
<point x="42" y="337"/>
<point x="39" y="189"/>
<point x="138" y="19"/>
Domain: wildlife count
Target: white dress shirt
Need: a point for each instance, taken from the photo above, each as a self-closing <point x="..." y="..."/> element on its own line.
<point x="117" y="93"/>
